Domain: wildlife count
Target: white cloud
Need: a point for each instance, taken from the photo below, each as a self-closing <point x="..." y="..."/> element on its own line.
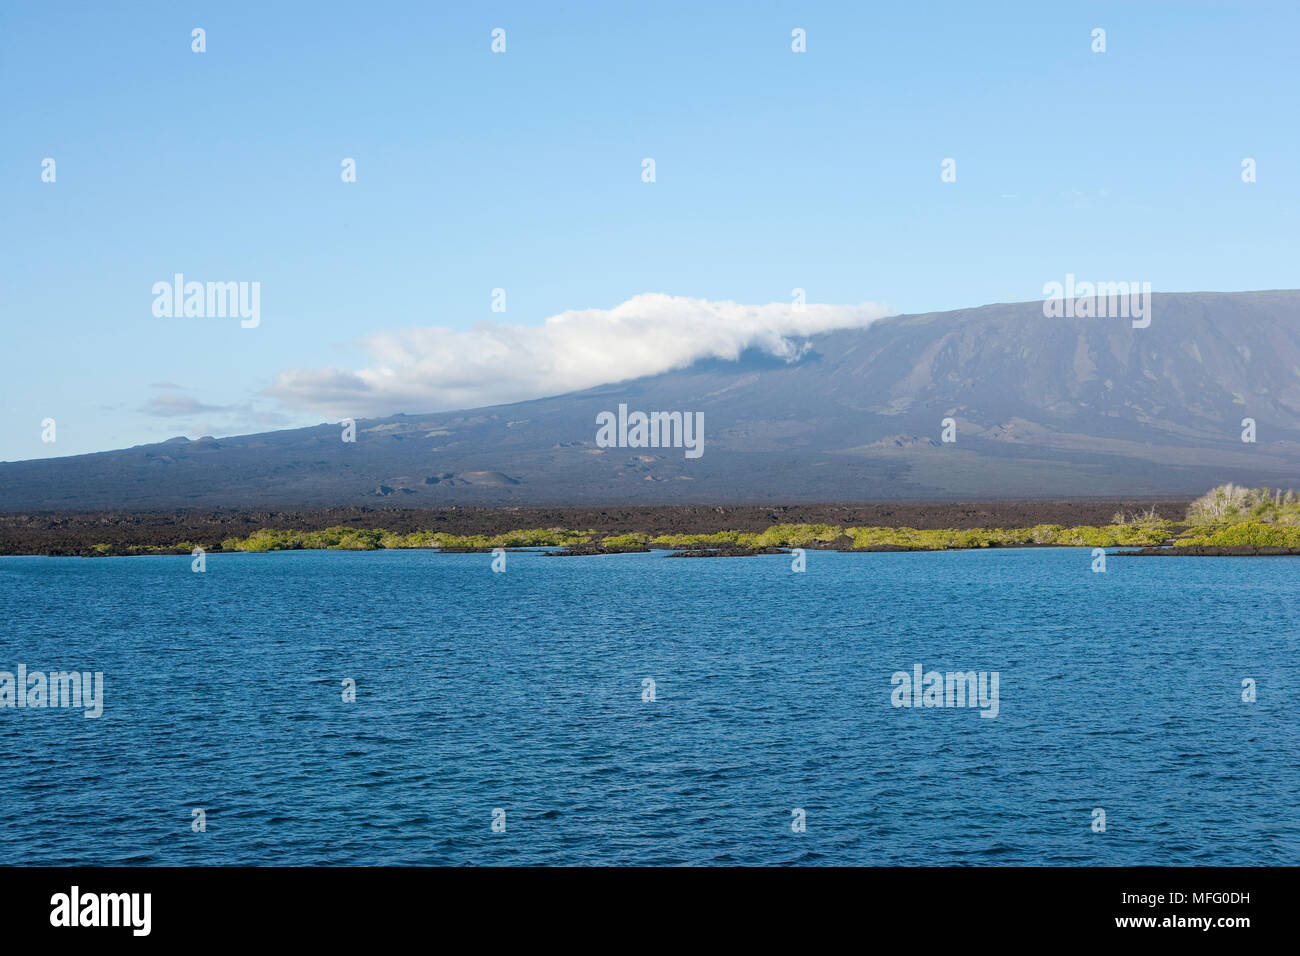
<point x="178" y="406"/>
<point x="436" y="368"/>
<point x="181" y="412"/>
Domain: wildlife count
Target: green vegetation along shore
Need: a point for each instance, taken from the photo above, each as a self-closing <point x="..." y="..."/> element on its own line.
<point x="781" y="536"/>
<point x="1226" y="517"/>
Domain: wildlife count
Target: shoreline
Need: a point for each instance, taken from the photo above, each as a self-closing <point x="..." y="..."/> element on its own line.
<point x="124" y="532"/>
<point x="72" y="533"/>
<point x="586" y="550"/>
<point x="1126" y="529"/>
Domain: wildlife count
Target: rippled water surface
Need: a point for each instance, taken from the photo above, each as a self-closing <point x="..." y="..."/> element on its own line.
<point x="523" y="691"/>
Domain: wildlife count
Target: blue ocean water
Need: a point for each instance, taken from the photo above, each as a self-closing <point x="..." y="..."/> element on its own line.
<point x="523" y="691"/>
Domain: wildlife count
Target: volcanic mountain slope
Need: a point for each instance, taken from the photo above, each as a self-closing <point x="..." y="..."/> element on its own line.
<point x="1043" y="408"/>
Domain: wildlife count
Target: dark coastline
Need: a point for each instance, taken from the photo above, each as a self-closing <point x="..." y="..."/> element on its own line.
<point x="1211" y="551"/>
<point x="76" y="533"/>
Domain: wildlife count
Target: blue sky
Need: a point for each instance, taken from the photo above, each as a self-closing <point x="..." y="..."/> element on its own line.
<point x="522" y="171"/>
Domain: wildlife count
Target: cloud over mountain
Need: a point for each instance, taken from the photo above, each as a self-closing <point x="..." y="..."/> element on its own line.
<point x="434" y="368"/>
<point x="1037" y="407"/>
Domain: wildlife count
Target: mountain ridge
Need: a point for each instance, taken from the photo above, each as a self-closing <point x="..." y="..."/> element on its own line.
<point x="1041" y="407"/>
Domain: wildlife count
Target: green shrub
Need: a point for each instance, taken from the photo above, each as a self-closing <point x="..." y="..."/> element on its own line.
<point x="633" y="539"/>
<point x="1254" y="533"/>
<point x="1230" y="504"/>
